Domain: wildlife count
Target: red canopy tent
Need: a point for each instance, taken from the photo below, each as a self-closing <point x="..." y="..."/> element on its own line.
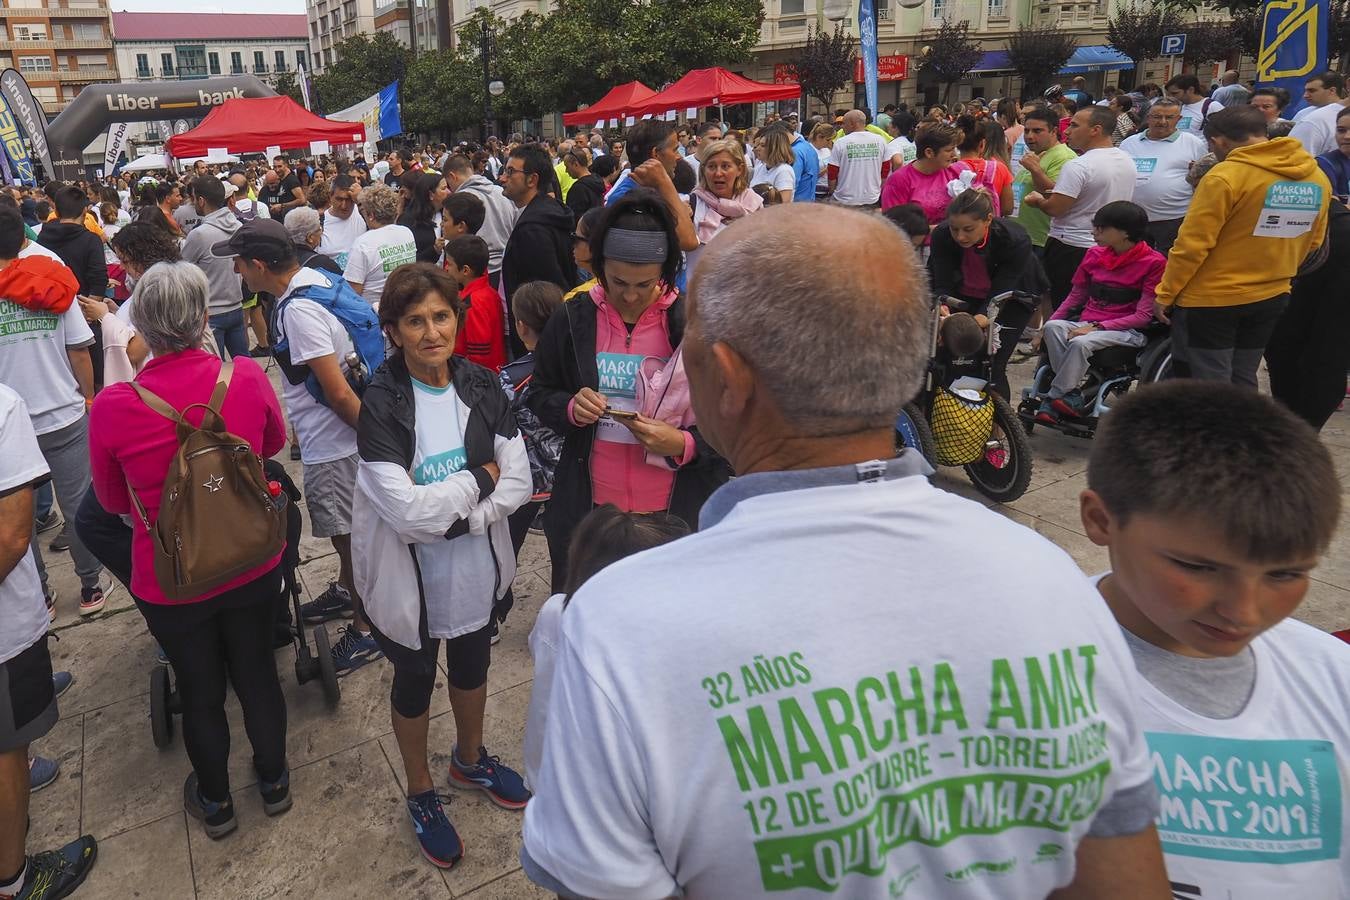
<point x="614" y="105"/>
<point x="252" y="124"/>
<point x="714" y="87"/>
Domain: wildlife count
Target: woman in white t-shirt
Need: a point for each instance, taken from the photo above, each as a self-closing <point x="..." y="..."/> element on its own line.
<point x="382" y="248"/>
<point x="442" y="467"/>
<point x="773" y="162"/>
<point x="822" y="138"/>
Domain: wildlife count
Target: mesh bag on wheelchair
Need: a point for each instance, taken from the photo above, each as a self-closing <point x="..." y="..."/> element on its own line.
<point x="961" y="427"/>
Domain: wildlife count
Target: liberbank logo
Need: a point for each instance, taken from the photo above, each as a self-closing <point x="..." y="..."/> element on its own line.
<point x="120" y="102"/>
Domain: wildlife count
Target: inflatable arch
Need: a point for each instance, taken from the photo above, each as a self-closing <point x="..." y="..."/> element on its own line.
<point x="100" y="105"/>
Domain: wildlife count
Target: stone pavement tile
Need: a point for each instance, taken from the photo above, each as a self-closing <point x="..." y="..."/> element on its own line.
<point x="1326" y="607"/>
<point x="491" y="835"/>
<point x="1090" y="558"/>
<point x="533" y="554"/>
<point x="347" y="836"/>
<point x="511" y="662"/>
<point x="55" y="810"/>
<point x="510" y="887"/>
<point x="127" y="781"/>
<point x="1056" y="456"/>
<point x="316" y="575"/>
<point x="1337" y="430"/>
<point x="1335" y="565"/>
<point x="151" y="861"/>
<point x="1056" y="503"/>
<point x="110" y="659"/>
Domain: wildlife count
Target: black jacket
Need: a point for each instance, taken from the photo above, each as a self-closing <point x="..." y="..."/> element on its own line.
<point x="387" y="428"/>
<point x="313" y="259"/>
<point x="424" y="234"/>
<point x="1007" y="257"/>
<point x="82" y="251"/>
<point x="564" y="364"/>
<point x="586" y="193"/>
<point x="540" y="247"/>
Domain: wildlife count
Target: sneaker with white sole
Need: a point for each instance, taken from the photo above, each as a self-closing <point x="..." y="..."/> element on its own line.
<point x="353" y="650"/>
<point x="92" y="600"/>
<point x="61" y="682"/>
<point x="502" y="784"/>
<point x="333" y="603"/>
<point x="41" y="772"/>
<point x="49" y="521"/>
<point x="440" y="842"/>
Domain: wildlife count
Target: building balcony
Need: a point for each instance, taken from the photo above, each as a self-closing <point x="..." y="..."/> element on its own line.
<point x="58" y="44"/>
<point x="182" y="73"/>
<point x="53" y="12"/>
<point x="83" y="75"/>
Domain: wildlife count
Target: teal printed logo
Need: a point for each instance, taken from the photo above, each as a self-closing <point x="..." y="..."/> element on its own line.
<point x="1302" y="195"/>
<point x="1184" y="124"/>
<point x="341" y="260"/>
<point x="1145" y="166"/>
<point x="440" y="466"/>
<point x="618" y="374"/>
<point x="1254" y="801"/>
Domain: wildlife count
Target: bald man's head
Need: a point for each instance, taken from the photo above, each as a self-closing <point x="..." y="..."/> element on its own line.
<point x="838" y="346"/>
<point x="1230" y="77"/>
<point x="854" y="120"/>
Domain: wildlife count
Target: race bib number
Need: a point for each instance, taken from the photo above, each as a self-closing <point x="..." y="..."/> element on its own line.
<point x="1290" y="209"/>
<point x="1273" y="806"/>
<point x="1184" y="123"/>
<point x="618" y="382"/>
<point x="1019" y="150"/>
<point x="1143" y="168"/>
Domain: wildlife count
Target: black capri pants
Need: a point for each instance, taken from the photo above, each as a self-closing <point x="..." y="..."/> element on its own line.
<point x="466" y="660"/>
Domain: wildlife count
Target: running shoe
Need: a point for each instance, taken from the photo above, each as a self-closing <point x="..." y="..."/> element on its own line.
<point x="49" y="521"/>
<point x="60" y="543"/>
<point x="57" y="873"/>
<point x="353" y="650"/>
<point x="217" y="818"/>
<point x="91" y="600"/>
<point x="502" y="784"/>
<point x="41" y="772"/>
<point x="260" y="352"/>
<point x="440" y="842"/>
<point x="495" y="635"/>
<point x="334" y="603"/>
<point x="276" y="795"/>
<point x="49" y="596"/>
<point x="1070" y="405"/>
<point x="62" y="682"/>
<point x="1045" y="413"/>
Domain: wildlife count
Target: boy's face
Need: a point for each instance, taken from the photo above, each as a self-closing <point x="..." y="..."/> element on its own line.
<point x="461" y="274"/>
<point x="450" y="228"/>
<point x="1179" y="585"/>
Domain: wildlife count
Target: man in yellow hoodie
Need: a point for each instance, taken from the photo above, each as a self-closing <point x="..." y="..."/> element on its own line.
<point x="1255" y="217"/>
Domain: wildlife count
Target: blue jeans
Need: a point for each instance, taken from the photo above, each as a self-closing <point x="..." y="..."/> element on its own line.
<point x="43" y="501"/>
<point x="229" y="332"/>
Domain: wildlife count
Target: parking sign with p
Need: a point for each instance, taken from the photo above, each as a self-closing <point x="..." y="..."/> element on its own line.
<point x="1173" y="44"/>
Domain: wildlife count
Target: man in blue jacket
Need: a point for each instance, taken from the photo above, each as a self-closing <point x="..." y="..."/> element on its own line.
<point x="805" y="161"/>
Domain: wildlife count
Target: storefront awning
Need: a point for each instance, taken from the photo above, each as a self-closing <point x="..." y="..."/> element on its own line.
<point x="1096" y="59"/>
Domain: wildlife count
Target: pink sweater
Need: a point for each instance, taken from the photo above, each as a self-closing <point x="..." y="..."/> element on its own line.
<point x="128" y="441"/>
<point x="1139" y="268"/>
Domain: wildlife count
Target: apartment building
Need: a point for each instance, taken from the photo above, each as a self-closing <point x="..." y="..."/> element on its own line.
<point x="59" y="45"/>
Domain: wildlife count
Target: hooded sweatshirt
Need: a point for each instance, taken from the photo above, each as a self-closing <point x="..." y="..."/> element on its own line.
<point x="1104" y="282"/>
<point x="540" y="248"/>
<point x="1255" y="217"/>
<point x="498" y="220"/>
<point x="227" y="293"/>
<point x="82" y="251"/>
<point x="38" y="284"/>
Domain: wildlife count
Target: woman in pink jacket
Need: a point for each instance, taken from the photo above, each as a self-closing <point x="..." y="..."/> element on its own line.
<point x="227" y="629"/>
<point x="1110" y="303"/>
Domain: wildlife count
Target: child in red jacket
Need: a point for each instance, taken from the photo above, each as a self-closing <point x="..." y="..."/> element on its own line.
<point x="481" y="336"/>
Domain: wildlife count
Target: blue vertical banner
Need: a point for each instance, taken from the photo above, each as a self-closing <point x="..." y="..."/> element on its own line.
<point x="11" y="140"/>
<point x="1293" y="46"/>
<point x="867" y="29"/>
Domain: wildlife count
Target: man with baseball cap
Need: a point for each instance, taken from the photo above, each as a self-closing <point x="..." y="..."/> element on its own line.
<point x="224" y="304"/>
<point x="264" y="256"/>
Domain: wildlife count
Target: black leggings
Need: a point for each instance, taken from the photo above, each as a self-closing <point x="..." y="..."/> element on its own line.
<point x="466" y="661"/>
<point x="226" y="636"/>
<point x="1012" y="320"/>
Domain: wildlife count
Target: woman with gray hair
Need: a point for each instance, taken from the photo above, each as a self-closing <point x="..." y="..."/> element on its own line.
<point x="383" y="248"/>
<point x="132" y="444"/>
<point x="305" y="227"/>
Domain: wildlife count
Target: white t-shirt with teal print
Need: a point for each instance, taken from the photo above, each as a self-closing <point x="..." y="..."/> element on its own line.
<point x="467" y="559"/>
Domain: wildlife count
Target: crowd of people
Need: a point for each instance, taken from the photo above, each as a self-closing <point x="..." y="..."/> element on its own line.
<point x="590" y="336"/>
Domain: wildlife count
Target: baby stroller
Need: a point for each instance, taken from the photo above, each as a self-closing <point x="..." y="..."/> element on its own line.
<point x="309" y="665"/>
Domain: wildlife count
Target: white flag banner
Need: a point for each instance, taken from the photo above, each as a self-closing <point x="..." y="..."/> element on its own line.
<point x="117" y="140"/>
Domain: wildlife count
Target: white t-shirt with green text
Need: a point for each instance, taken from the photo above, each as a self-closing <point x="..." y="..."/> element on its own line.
<point x="375" y="254"/>
<point x="858" y="156"/>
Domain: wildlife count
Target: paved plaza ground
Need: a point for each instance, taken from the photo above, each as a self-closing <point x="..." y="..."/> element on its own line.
<point x="348" y="834"/>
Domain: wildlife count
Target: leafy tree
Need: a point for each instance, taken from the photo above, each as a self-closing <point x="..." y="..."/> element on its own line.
<point x="1207" y="42"/>
<point x="1137" y="31"/>
<point x="286" y="83"/>
<point x="1037" y="52"/>
<point x="824" y="64"/>
<point x="365" y="63"/>
<point x="951" y="54"/>
<point x="1247" y="30"/>
<point x="1338" y="34"/>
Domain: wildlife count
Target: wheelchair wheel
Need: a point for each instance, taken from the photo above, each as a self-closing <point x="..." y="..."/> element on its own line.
<point x="161" y="717"/>
<point x="912" y="430"/>
<point x="1008" y="482"/>
<point x="332" y="691"/>
<point x="1156" y="364"/>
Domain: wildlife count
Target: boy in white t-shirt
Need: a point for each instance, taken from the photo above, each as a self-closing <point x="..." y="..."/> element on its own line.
<point x="1213" y="527"/>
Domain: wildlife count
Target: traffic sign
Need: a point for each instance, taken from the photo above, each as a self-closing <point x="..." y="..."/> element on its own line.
<point x="1173" y="44"/>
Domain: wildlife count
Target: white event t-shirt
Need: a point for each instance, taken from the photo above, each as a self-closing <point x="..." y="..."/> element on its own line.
<point x="544" y="639"/>
<point x="34" y="360"/>
<point x="858" y="761"/>
<point x="903" y="147"/>
<point x="375" y="254"/>
<point x="22" y="608"/>
<point x="314" y="332"/>
<point x="1160" y="185"/>
<point x="1253" y="807"/>
<point x="340" y="234"/>
<point x="1317" y="130"/>
<point x="858" y="156"/>
<point x="780" y="177"/>
<point x="1096" y="178"/>
<point x="1193" y="116"/>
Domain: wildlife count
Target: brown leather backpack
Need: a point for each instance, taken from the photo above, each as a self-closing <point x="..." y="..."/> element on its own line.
<point x="217" y="516"/>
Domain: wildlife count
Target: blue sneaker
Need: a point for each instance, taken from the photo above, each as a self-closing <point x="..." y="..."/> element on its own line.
<point x="334" y="603"/>
<point x="41" y="772"/>
<point x="502" y="784"/>
<point x="57" y="873"/>
<point x="440" y="842"/>
<point x="217" y="818"/>
<point x="62" y="682"/>
<point x="353" y="650"/>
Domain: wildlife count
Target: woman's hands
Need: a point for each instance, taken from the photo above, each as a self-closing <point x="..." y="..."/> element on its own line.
<point x="589" y="406"/>
<point x="94" y="308"/>
<point x="656" y="436"/>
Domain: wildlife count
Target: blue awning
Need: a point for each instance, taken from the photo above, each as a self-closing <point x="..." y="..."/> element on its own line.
<point x="994" y="61"/>
<point x="1096" y="59"/>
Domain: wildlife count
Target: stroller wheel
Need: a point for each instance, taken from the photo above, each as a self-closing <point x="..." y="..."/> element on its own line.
<point x="332" y="691"/>
<point x="161" y="716"/>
